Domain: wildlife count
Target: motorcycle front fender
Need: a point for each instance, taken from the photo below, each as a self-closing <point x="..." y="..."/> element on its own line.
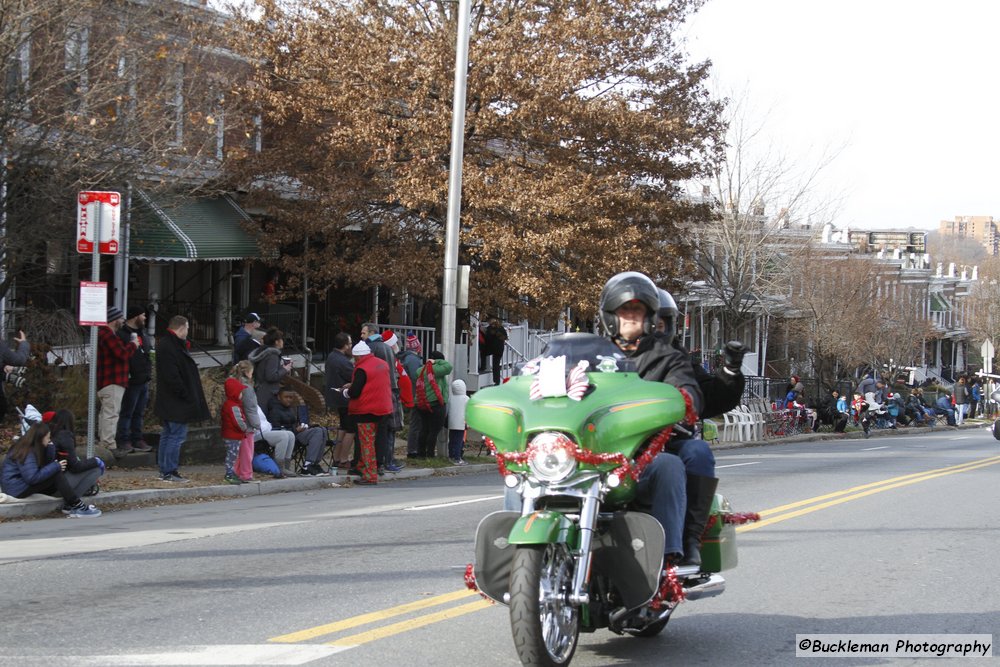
<point x="545" y="527"/>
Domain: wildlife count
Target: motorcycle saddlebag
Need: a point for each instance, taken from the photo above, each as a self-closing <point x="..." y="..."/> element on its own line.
<point x="628" y="550"/>
<point x="494" y="554"/>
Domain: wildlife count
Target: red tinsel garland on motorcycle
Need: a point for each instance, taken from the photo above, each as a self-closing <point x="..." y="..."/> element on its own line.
<point x="737" y="518"/>
<point x="671" y="591"/>
<point x="587" y="457"/>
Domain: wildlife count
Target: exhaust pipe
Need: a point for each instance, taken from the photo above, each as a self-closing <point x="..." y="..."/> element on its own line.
<point x="714" y="585"/>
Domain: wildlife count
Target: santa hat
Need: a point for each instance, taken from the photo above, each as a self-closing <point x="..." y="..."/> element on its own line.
<point x="389" y="337"/>
<point x="413" y="344"/>
<point x="361" y="349"/>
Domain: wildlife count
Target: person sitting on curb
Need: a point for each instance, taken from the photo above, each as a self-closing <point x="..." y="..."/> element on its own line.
<point x="62" y="426"/>
<point x="32" y="467"/>
<point x="284" y="417"/>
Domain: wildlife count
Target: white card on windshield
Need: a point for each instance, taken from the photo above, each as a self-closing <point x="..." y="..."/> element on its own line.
<point x="552" y="376"/>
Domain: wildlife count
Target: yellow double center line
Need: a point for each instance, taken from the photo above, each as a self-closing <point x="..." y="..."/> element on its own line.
<point x="768" y="517"/>
<point x="810" y="505"/>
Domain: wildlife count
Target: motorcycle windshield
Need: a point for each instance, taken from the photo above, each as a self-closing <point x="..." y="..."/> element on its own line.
<point x="577" y="347"/>
<point x="617" y="413"/>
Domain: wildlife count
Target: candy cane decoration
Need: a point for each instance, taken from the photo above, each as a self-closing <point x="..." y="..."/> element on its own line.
<point x="576" y="385"/>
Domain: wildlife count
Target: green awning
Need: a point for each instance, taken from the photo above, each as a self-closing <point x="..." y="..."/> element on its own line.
<point x="939" y="304"/>
<point x="174" y="228"/>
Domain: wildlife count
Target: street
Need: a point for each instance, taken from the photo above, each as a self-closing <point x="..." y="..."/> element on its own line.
<point x="886" y="535"/>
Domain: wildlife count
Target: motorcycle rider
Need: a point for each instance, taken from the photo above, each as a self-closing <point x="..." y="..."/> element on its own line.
<point x="628" y="310"/>
<point x="721" y="392"/>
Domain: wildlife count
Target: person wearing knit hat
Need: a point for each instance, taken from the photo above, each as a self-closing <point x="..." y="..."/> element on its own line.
<point x="244" y="340"/>
<point x="369" y="403"/>
<point x="113" y="356"/>
<point x="413" y="344"/>
<point x="140" y="372"/>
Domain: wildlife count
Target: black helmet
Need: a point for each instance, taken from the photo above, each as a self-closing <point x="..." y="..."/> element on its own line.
<point x="668" y="312"/>
<point x="621" y="289"/>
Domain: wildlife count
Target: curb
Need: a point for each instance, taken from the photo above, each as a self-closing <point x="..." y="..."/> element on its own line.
<point x="40" y="505"/>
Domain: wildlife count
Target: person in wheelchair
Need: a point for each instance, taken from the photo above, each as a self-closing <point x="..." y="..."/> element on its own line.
<point x="284" y="415"/>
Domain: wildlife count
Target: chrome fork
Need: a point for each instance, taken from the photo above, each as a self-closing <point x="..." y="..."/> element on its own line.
<point x="588" y="521"/>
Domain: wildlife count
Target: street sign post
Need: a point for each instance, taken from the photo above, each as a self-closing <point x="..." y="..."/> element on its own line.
<point x="97" y="229"/>
<point x="987" y="351"/>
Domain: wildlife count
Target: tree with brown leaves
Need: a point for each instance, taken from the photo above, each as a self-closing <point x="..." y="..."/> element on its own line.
<point x="582" y="119"/>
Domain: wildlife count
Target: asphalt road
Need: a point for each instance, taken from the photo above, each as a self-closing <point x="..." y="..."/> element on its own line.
<point x="888" y="535"/>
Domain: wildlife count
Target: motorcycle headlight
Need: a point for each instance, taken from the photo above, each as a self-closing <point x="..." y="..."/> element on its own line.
<point x="552" y="458"/>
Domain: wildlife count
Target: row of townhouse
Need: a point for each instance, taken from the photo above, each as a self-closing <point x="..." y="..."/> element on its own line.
<point x="937" y="298"/>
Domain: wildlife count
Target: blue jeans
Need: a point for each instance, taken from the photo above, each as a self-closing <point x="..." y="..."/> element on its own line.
<point x="663" y="486"/>
<point x="130" y="416"/>
<point x="168" y="455"/>
<point x="696" y="455"/>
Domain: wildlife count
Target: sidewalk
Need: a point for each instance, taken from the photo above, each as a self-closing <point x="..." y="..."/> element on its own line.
<point x="134" y="487"/>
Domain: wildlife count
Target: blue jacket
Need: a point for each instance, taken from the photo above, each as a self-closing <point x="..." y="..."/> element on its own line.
<point x="17" y="477"/>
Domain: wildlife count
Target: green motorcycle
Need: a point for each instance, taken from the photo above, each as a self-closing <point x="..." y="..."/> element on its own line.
<point x="580" y="554"/>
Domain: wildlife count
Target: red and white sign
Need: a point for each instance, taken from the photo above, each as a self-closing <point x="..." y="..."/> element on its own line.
<point x="109" y="206"/>
<point x="93" y="303"/>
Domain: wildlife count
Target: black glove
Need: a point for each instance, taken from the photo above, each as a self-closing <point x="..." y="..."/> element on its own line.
<point x="734" y="352"/>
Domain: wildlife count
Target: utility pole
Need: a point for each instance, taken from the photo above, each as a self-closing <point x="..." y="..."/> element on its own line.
<point x="449" y="289"/>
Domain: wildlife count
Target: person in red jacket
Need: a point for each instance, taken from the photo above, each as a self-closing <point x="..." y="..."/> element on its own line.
<point x="369" y="402"/>
<point x="235" y="425"/>
<point x="113" y="356"/>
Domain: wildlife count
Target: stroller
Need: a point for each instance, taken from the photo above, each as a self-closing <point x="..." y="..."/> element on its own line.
<point x="878" y="413"/>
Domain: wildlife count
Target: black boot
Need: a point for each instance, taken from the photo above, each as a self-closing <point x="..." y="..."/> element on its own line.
<point x="700" y="493"/>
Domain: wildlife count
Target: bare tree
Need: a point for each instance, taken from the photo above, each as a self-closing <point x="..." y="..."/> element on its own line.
<point x="98" y="93"/>
<point x="766" y="210"/>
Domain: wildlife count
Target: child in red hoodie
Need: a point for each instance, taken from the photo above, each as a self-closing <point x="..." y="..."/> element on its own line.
<point x="235" y="426"/>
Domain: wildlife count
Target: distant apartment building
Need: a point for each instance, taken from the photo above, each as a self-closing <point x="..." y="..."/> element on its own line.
<point x="980" y="228"/>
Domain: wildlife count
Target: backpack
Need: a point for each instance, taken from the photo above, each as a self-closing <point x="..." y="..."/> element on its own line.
<point x="265" y="464"/>
<point x="420" y="390"/>
<point x="405" y="386"/>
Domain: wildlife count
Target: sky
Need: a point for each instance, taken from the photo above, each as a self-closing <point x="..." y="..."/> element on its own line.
<point x="904" y="93"/>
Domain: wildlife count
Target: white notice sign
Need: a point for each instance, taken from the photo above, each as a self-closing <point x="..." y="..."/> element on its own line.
<point x="93" y="303"/>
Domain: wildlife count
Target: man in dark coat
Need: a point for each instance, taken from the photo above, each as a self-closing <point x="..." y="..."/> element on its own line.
<point x="180" y="398"/>
<point x="140" y="372"/>
<point x="339" y="370"/>
<point x="495" y="340"/>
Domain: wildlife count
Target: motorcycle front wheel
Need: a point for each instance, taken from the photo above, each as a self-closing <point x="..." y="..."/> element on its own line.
<point x="544" y="624"/>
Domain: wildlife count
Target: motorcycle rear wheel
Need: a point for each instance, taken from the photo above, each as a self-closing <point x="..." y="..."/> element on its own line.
<point x="545" y="626"/>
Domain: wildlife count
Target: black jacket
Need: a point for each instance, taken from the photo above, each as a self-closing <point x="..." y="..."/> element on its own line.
<point x="720" y="391"/>
<point x="140" y="365"/>
<point x="338" y="373"/>
<point x="65" y="450"/>
<point x="282" y="418"/>
<point x="659" y="361"/>
<point x="179" y="394"/>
